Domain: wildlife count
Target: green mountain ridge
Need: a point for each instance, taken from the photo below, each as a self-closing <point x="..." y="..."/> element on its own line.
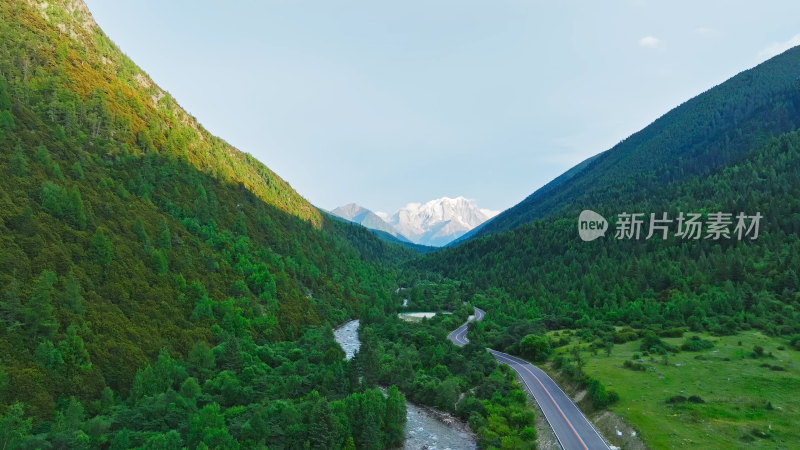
<point x="161" y="289"/>
<point x="744" y="160"/>
<point x="709" y="131"/>
<point x="158" y="287"/>
<point x="97" y="68"/>
<point x="555" y="298"/>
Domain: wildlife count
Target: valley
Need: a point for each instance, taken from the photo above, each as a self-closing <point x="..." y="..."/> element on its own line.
<point x="424" y="427"/>
<point x="161" y="289"/>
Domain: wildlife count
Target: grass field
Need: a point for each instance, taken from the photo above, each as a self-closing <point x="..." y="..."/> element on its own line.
<point x="745" y="405"/>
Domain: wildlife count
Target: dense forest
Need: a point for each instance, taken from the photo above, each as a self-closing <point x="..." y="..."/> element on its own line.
<point x="430" y="370"/>
<point x="734" y="149"/>
<point x="542" y="272"/>
<point x="161" y="289"/>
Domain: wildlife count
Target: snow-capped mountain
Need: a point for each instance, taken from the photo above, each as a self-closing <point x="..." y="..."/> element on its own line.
<point x="438" y="222"/>
<point x="435" y="223"/>
<point x="363" y="216"/>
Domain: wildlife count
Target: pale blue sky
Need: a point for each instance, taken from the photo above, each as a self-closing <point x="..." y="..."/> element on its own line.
<point x="385" y="103"/>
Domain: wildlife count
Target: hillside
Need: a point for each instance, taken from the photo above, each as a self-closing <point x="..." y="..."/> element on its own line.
<point x="543" y="271"/>
<point x="159" y="287"/>
<point x="724" y="285"/>
<point x="741" y="155"/>
<point x="717" y="128"/>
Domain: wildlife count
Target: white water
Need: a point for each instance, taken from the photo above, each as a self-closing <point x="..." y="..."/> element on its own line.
<point x="423" y="429"/>
<point x="347" y="338"/>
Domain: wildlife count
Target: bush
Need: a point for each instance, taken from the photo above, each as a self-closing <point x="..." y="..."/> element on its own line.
<point x="654" y="344"/>
<point x="628" y="364"/>
<point x="681" y="399"/>
<point x="598" y="394"/>
<point x="676" y="399"/>
<point x="673" y="332"/>
<point x="623" y="336"/>
<point x="695" y="344"/>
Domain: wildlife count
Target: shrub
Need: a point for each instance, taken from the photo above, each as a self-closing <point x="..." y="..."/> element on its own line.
<point x="623" y="336"/>
<point x="673" y="332"/>
<point x="695" y="344"/>
<point x="654" y="344"/>
<point x="681" y="399"/>
<point x="628" y="364"/>
<point x="598" y="394"/>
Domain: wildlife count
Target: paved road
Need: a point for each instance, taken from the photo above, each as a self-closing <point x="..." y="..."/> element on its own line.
<point x="572" y="429"/>
<point x="459" y="335"/>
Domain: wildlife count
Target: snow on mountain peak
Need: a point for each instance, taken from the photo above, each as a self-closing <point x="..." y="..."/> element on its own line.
<point x="435" y="223"/>
<point x="439" y="221"/>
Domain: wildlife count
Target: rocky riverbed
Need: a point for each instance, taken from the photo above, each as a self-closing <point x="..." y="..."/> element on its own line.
<point x="426" y="428"/>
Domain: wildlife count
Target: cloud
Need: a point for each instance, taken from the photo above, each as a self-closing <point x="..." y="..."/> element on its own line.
<point x="649" y="42"/>
<point x="706" y="32"/>
<point x="776" y="48"/>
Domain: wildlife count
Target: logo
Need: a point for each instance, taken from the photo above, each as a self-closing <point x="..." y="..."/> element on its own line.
<point x="591" y="225"/>
<point x="690" y="226"/>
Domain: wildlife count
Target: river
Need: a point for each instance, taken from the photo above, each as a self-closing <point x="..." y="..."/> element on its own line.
<point x="424" y="430"/>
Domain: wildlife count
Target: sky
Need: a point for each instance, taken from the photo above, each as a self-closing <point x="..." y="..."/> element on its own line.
<point x="384" y="103"/>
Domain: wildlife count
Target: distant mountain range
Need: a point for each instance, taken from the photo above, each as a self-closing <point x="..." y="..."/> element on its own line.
<point x="363" y="216"/>
<point x="435" y="223"/>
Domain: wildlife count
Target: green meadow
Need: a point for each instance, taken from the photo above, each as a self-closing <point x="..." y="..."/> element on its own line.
<point x="722" y="397"/>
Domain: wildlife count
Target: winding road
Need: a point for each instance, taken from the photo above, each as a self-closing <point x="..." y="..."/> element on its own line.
<point x="459" y="335"/>
<point x="572" y="429"/>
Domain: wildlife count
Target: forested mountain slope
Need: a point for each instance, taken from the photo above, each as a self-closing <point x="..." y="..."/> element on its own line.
<point x="734" y="149"/>
<point x="158" y="287"/>
<point x="714" y="129"/>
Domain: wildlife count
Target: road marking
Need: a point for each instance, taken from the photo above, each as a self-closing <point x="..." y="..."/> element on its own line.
<point x="578" y="409"/>
<point x="460" y="336"/>
<point x="548" y="394"/>
<point x="561" y="444"/>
